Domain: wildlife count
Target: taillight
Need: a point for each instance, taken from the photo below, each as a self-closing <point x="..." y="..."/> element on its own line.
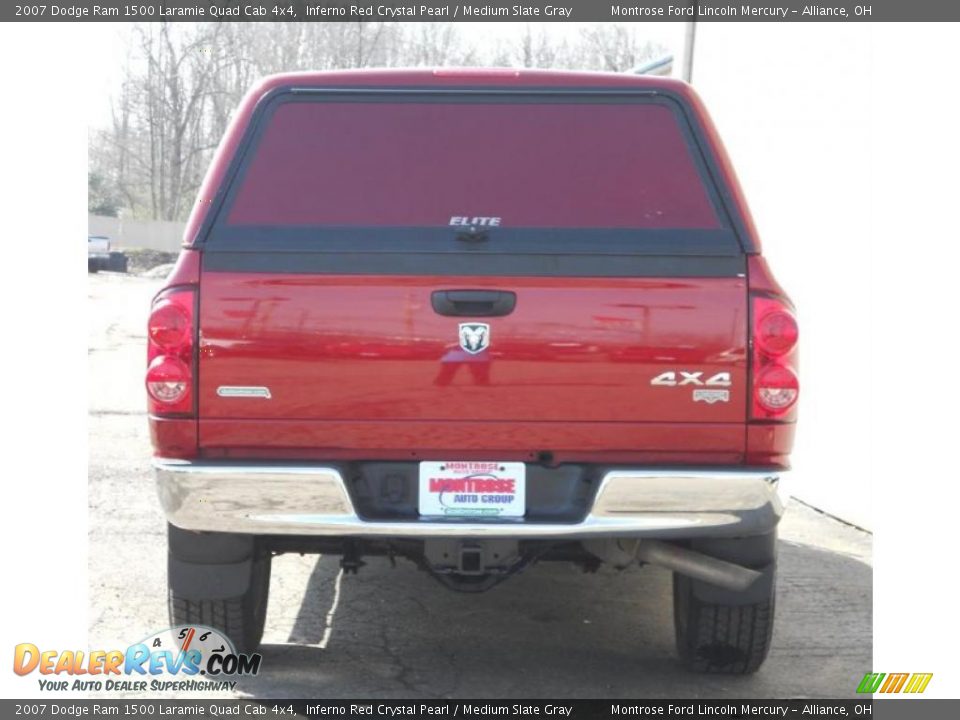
<point x="776" y="332"/>
<point x="169" y="324"/>
<point x="170" y="357"/>
<point x="774" y="338"/>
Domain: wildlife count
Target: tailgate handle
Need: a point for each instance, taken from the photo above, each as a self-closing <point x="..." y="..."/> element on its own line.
<point x="473" y="303"/>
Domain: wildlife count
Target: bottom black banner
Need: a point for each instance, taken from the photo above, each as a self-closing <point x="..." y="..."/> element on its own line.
<point x="468" y="709"/>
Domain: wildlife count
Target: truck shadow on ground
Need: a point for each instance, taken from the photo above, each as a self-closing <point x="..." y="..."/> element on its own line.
<point x="554" y="632"/>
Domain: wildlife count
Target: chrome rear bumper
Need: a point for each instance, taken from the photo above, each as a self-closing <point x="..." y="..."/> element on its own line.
<point x="313" y="500"/>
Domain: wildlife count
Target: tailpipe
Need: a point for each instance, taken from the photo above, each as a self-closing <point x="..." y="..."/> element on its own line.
<point x="691" y="563"/>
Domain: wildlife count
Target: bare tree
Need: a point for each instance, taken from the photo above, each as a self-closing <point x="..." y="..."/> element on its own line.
<point x="162" y="125"/>
<point x="436" y="44"/>
<point x="539" y="50"/>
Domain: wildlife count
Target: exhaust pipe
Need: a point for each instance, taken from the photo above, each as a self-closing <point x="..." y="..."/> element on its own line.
<point x="727" y="575"/>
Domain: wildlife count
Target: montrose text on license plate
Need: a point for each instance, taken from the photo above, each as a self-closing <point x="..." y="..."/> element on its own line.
<point x="467" y="488"/>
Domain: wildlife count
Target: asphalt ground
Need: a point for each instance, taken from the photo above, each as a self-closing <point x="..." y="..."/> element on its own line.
<point x="394" y="632"/>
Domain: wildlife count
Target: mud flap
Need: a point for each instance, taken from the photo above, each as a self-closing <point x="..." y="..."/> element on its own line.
<point x="209" y="581"/>
<point x="210" y="566"/>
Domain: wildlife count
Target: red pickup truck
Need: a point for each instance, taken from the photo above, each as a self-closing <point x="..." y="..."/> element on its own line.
<point x="475" y="319"/>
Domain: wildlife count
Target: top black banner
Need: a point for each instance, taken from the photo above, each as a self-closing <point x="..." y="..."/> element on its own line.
<point x="439" y="11"/>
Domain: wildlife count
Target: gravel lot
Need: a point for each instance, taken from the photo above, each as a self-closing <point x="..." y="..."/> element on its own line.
<point x="551" y="632"/>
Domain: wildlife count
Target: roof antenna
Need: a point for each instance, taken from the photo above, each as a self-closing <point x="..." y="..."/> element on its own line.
<point x="660" y="66"/>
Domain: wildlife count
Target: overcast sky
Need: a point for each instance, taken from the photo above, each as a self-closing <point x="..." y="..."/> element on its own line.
<point x="104" y="46"/>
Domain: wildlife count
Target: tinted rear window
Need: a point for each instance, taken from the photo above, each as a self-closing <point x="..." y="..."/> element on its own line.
<point x="412" y="164"/>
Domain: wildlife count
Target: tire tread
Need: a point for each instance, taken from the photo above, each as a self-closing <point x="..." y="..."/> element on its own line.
<point x="241" y="619"/>
<point x="721" y="639"/>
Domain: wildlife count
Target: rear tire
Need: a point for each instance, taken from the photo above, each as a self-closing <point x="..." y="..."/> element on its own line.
<point x="721" y="631"/>
<point x="220" y="580"/>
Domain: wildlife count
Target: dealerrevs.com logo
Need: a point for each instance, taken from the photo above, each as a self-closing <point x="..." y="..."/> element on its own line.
<point x="183" y="658"/>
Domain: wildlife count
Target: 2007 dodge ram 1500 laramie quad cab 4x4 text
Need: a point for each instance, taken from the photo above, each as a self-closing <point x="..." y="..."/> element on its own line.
<point x="475" y="319"/>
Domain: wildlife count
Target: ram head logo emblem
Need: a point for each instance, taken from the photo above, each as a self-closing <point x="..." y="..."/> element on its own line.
<point x="474" y="337"/>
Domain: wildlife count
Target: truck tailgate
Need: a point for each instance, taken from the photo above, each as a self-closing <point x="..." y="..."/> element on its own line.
<point x="372" y="348"/>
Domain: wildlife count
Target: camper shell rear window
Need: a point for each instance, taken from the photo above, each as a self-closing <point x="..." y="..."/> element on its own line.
<point x="421" y="164"/>
<point x="566" y="172"/>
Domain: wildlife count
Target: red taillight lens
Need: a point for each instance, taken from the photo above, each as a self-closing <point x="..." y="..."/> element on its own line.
<point x="170" y="353"/>
<point x="777" y="333"/>
<point x="169" y="324"/>
<point x="774" y="360"/>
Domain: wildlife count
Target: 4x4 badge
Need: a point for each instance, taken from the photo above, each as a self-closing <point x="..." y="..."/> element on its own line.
<point x="670" y="378"/>
<point x="474" y="337"/>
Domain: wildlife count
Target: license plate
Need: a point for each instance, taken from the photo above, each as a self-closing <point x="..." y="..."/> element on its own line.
<point x="473" y="489"/>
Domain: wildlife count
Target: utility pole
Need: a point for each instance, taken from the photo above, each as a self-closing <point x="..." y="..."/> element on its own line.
<point x="689" y="37"/>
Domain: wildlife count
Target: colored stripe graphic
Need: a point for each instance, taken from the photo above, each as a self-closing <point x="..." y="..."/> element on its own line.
<point x="918" y="683"/>
<point x="895" y="682"/>
<point x="871" y="682"/>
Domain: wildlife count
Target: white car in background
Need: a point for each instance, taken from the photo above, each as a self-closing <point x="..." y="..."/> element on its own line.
<point x="98" y="253"/>
<point x="99" y="256"/>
